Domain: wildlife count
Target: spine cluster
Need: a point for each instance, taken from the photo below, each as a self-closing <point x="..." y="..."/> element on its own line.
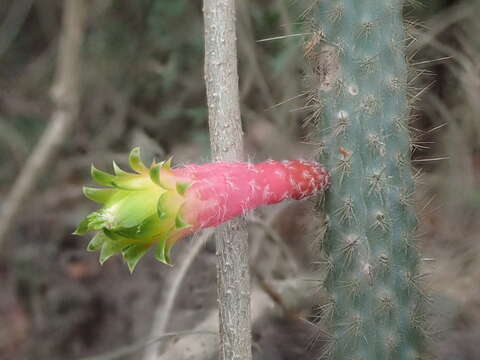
<point x="360" y="121"/>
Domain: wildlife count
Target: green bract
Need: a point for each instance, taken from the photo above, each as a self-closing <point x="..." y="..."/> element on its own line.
<point x="138" y="210"/>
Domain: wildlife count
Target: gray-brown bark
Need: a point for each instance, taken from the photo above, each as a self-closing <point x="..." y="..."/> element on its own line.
<point x="66" y="96"/>
<point x="221" y="79"/>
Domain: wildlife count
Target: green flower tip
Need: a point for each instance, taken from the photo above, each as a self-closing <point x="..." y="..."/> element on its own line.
<point x="138" y="211"/>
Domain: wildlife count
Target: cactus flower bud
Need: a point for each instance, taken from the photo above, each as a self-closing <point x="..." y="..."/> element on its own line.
<point x="157" y="206"/>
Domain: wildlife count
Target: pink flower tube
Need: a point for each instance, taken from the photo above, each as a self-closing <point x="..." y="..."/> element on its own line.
<point x="224" y="190"/>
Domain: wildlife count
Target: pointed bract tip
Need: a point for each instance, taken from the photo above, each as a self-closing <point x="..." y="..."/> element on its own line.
<point x="117" y="170"/>
<point x="156" y="176"/>
<point x="183" y="187"/>
<point x="167" y="164"/>
<point x="180" y="223"/>
<point x="98" y="195"/>
<point x="136" y="162"/>
<point x="133" y="253"/>
<point x="101" y="177"/>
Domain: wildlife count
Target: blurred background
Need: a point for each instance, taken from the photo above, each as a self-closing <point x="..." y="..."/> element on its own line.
<point x="141" y="76"/>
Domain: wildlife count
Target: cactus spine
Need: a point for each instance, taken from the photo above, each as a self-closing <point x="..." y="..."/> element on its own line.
<point x="360" y="121"/>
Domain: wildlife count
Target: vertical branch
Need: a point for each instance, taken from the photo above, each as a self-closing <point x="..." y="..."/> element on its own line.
<point x="66" y="97"/>
<point x="14" y="20"/>
<point x="221" y="78"/>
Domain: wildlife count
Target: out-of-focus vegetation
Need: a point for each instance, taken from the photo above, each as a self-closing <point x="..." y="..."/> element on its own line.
<point x="143" y="85"/>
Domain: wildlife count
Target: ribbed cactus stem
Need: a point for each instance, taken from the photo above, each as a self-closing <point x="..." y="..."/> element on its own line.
<point x="360" y="81"/>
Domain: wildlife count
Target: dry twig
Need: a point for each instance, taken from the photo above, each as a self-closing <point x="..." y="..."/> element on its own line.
<point x="13" y="22"/>
<point x="164" y="311"/>
<point x="66" y="95"/>
<point x="293" y="292"/>
<point x="221" y="77"/>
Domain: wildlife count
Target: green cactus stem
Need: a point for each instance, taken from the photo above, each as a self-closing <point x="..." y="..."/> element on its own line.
<point x="360" y="121"/>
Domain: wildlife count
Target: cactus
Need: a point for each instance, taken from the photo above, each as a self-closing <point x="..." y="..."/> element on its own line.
<point x="360" y="122"/>
<point x="159" y="205"/>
